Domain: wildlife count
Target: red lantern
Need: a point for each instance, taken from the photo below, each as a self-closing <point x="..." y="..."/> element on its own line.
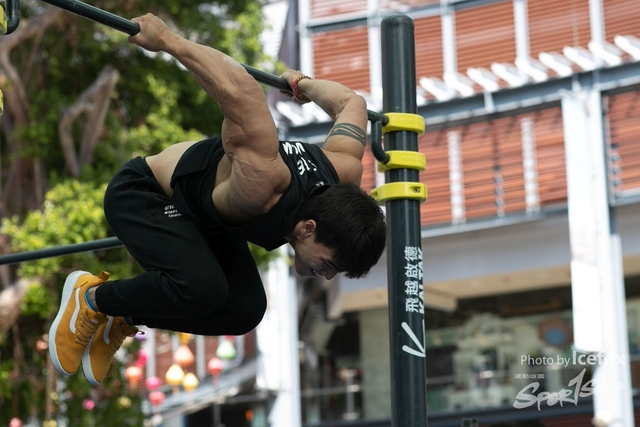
<point x="89" y="404"/>
<point x="156" y="397"/>
<point x="215" y="366"/>
<point x="153" y="383"/>
<point x="141" y="357"/>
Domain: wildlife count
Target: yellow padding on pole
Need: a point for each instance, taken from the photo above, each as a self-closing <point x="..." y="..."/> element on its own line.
<point x="404" y="121"/>
<point x="1" y="103"/>
<point x="3" y="21"/>
<point x="402" y="159"/>
<point x="400" y="190"/>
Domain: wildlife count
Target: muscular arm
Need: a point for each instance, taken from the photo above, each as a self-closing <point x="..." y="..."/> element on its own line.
<point x="255" y="174"/>
<point x="225" y="80"/>
<point x="345" y="143"/>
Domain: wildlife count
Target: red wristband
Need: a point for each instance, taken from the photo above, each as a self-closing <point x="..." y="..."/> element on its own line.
<point x="296" y="92"/>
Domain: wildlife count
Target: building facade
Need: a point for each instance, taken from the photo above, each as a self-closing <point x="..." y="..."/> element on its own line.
<point x="533" y="174"/>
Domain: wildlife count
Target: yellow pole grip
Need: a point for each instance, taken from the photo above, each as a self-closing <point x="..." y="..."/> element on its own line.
<point x="401" y="159"/>
<point x="404" y="121"/>
<point x="400" y="190"/>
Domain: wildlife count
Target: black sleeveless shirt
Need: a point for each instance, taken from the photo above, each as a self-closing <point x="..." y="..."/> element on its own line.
<point x="194" y="178"/>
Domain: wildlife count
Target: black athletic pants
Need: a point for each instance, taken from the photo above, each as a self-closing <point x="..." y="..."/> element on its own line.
<point x="204" y="286"/>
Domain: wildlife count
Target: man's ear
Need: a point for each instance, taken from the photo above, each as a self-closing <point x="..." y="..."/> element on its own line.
<point x="308" y="227"/>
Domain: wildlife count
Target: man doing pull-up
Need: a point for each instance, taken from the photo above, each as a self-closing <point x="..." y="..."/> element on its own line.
<point x="187" y="213"/>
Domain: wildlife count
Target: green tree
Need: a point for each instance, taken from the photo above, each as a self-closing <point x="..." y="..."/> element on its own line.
<point x="80" y="101"/>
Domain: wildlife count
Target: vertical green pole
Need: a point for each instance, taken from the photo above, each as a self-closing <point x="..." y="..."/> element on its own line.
<point x="404" y="250"/>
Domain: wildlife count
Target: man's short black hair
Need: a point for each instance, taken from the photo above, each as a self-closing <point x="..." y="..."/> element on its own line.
<point x="350" y="222"/>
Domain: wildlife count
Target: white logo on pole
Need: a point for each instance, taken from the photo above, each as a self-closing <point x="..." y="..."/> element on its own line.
<point x="421" y="350"/>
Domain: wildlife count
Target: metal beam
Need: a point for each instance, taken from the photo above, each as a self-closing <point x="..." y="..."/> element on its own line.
<point x="95" y="245"/>
<point x="485" y="106"/>
<point x="538" y="95"/>
<point x="597" y="278"/>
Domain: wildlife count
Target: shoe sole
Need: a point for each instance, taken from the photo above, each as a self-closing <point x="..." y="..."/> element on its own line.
<point x="67" y="294"/>
<point x="86" y="365"/>
<point x="86" y="360"/>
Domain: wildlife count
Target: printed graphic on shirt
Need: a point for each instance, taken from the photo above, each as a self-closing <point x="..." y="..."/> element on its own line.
<point x="171" y="211"/>
<point x="304" y="163"/>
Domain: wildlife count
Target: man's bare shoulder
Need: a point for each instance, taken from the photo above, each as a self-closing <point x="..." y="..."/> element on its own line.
<point x="348" y="168"/>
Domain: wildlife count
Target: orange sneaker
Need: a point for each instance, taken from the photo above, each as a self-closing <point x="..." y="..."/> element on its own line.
<point x="76" y="323"/>
<point x="104" y="344"/>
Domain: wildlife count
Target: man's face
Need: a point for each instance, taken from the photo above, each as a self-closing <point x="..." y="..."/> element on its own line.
<point x="314" y="259"/>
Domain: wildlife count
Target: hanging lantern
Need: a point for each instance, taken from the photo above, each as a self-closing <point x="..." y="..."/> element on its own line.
<point x="156" y="397"/>
<point x="133" y="375"/>
<point x="190" y="382"/>
<point x="41" y="346"/>
<point x="123" y="402"/>
<point x="184" y="338"/>
<point x="226" y="350"/>
<point x="153" y="383"/>
<point x="215" y="366"/>
<point x="184" y="356"/>
<point x="15" y="422"/>
<point x="141" y="357"/>
<point x="89" y="404"/>
<point x="174" y="376"/>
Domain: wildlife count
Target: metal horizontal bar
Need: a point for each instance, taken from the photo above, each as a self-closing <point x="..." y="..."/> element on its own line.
<point x="627" y="198"/>
<point x="109" y="19"/>
<point x="95" y="245"/>
<point x="126" y="26"/>
<point x="13" y="15"/>
<point x="97" y="15"/>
